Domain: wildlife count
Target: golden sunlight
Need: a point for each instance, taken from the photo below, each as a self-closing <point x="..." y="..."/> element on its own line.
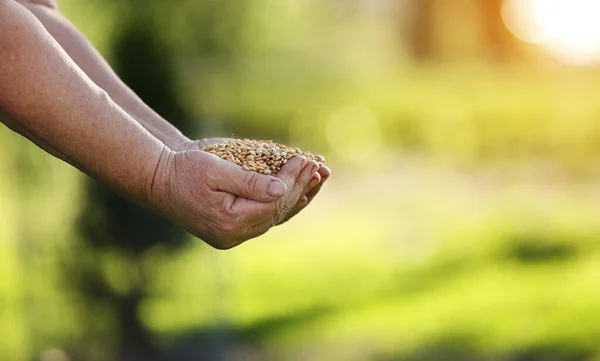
<point x="568" y="29"/>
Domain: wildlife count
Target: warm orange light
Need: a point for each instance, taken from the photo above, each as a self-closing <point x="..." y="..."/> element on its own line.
<point x="569" y="29"/>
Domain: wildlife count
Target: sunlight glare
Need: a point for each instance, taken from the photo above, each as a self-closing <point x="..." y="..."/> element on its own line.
<point x="567" y="28"/>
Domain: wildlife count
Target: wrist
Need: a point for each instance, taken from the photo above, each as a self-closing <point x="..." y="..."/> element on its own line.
<point x="159" y="128"/>
<point x="158" y="186"/>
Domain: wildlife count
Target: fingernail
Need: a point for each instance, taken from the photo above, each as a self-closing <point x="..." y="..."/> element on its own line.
<point x="276" y="188"/>
<point x="304" y="162"/>
<point x="315" y="168"/>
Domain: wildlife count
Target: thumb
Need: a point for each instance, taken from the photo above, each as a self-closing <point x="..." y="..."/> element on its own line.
<point x="247" y="184"/>
<point x="290" y="172"/>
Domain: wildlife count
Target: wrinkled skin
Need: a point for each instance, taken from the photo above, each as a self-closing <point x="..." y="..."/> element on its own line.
<point x="102" y="128"/>
<point x="197" y="189"/>
<point x="309" y="192"/>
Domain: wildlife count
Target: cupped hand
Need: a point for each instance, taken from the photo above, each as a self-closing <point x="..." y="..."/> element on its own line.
<point x="308" y="194"/>
<point x="318" y="179"/>
<point x="220" y="202"/>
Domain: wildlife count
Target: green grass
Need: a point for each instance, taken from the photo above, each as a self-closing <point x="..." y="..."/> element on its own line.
<point x="505" y="281"/>
<point x="513" y="114"/>
<point x="476" y="231"/>
<point x="483" y="264"/>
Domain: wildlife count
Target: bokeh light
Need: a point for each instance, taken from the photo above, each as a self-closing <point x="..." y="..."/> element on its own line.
<point x="464" y="189"/>
<point x="568" y="29"/>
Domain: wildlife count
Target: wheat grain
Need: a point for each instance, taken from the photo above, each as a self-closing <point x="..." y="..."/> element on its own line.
<point x="262" y="156"/>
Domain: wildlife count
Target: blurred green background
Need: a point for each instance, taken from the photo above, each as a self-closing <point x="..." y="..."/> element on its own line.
<point x="461" y="221"/>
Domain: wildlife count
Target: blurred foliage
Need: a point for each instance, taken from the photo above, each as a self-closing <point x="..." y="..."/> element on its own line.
<point x="460" y="223"/>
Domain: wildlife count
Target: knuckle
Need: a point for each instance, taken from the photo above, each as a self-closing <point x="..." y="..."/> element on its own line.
<point x="227" y="211"/>
<point x="267" y="209"/>
<point x="311" y="165"/>
<point x="281" y="213"/>
<point x="284" y="209"/>
<point x="251" y="180"/>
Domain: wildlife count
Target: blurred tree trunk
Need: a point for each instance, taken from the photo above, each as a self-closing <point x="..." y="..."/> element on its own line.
<point x="110" y="224"/>
<point x="499" y="42"/>
<point x="145" y="58"/>
<point x="421" y="30"/>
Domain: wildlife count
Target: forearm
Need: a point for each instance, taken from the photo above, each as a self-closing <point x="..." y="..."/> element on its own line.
<point x="93" y="64"/>
<point x="48" y="99"/>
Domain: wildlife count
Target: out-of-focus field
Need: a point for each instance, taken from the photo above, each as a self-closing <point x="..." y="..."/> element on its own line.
<point x="480" y="242"/>
<point x="460" y="223"/>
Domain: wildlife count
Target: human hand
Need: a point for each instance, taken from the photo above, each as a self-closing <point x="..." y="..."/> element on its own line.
<point x="220" y="202"/>
<point x="308" y="194"/>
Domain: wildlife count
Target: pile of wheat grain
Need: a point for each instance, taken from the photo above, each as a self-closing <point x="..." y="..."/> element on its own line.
<point x="262" y="156"/>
